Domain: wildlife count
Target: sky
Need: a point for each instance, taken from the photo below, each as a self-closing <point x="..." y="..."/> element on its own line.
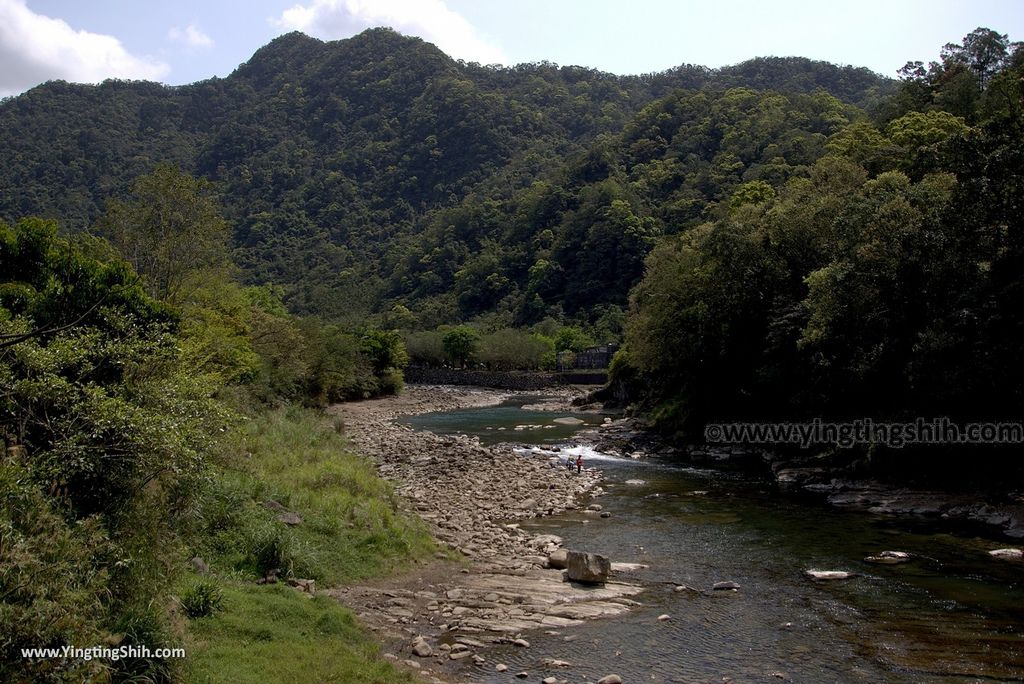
<point x="184" y="41"/>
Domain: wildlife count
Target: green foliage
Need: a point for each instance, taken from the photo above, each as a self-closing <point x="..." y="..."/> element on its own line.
<point x="885" y="283"/>
<point x="509" y="349"/>
<point x="460" y="345"/>
<point x="170" y="231"/>
<point x="202" y="599"/>
<point x="273" y="633"/>
<point x="110" y="430"/>
<point x="351" y="526"/>
<point x="426" y="348"/>
<point x="332" y="159"/>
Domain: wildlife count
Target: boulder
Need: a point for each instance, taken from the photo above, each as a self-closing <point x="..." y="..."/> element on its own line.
<point x="589" y="568"/>
<point x="1007" y="554"/>
<point x="558" y="559"/>
<point x="610" y="679"/>
<point x="725" y="586"/>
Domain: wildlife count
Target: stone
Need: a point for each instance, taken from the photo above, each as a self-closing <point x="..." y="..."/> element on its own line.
<point x="1007" y="554"/>
<point x="459" y="655"/>
<point x="544" y="540"/>
<point x="605" y="514"/>
<point x="549" y="680"/>
<point x="725" y="586"/>
<point x="589" y="568"/>
<point x="889" y="558"/>
<point x="558" y="559"/>
<point x="828" y="575"/>
<point x="568" y="420"/>
<point x="610" y="679"/>
<point x="594" y="507"/>
<point x="290" y="518"/>
<point x="272" y="505"/>
<point x="306" y="585"/>
<point x="501" y="667"/>
<point x="523" y="643"/>
<point x="421" y="648"/>
<point x="200" y="566"/>
<point x="664" y="618"/>
<point x="553" y="662"/>
<point x="522" y="675"/>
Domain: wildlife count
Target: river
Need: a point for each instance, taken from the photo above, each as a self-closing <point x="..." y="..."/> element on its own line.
<point x="953" y="614"/>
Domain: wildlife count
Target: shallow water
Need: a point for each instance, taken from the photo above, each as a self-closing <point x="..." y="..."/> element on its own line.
<point x="954" y="614"/>
<point x="508" y="422"/>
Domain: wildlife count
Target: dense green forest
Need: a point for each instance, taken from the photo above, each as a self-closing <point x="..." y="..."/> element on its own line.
<point x="882" y="281"/>
<point x="341" y="165"/>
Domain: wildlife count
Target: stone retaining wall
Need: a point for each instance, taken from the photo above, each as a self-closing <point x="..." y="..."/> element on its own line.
<point x="510" y="380"/>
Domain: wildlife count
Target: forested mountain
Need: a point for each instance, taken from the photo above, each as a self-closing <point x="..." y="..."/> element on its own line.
<point x="342" y="164"/>
<point x="884" y="281"/>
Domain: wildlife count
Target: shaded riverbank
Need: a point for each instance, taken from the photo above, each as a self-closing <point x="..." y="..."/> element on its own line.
<point x="809" y="474"/>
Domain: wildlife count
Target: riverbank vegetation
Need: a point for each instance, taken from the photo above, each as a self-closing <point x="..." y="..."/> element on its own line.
<point x="155" y="416"/>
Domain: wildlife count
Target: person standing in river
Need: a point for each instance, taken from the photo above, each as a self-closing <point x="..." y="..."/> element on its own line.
<point x="579" y="464"/>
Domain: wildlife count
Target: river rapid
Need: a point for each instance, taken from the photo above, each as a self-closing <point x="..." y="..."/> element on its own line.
<point x="952" y="614"/>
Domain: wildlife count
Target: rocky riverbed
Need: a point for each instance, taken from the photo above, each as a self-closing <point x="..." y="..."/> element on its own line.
<point x="440" y="619"/>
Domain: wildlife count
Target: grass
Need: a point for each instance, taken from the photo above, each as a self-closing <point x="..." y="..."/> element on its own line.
<point x="351" y="526"/>
<point x="351" y="529"/>
<point x="273" y="633"/>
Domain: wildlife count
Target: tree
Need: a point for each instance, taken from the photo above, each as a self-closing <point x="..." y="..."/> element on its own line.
<point x="169" y="231"/>
<point x="983" y="51"/>
<point x="460" y="345"/>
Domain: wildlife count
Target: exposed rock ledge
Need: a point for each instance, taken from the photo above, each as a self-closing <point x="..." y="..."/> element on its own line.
<point x="469" y="495"/>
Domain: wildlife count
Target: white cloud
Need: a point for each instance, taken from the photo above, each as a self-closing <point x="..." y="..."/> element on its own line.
<point x="428" y="19"/>
<point x="35" y="48"/>
<point x="191" y="36"/>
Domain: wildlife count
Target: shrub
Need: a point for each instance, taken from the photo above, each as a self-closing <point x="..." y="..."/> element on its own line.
<point x="202" y="599"/>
